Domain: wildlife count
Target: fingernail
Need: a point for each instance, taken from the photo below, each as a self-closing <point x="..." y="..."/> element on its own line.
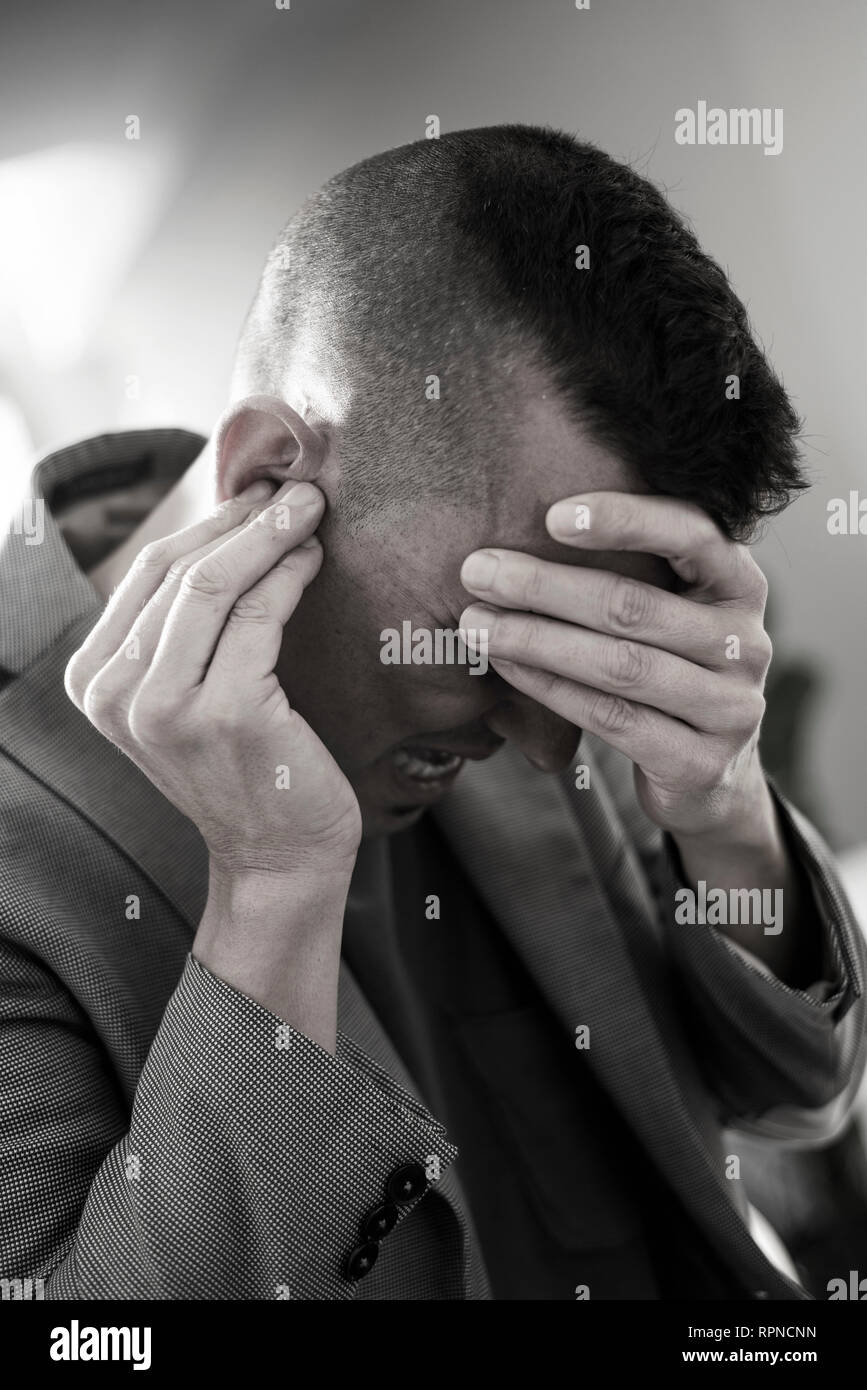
<point x="478" y="570"/>
<point x="302" y="495"/>
<point x="568" y="518"/>
<point x="479" y="617"/>
<point x="256" y="492"/>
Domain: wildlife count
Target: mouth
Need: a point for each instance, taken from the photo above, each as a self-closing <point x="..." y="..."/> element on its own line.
<point x="425" y="772"/>
<point x="426" y="764"/>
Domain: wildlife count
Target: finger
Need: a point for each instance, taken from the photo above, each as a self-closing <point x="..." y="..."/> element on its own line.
<point x="250" y="641"/>
<point x="211" y="587"/>
<point x="664" y="748"/>
<point x="146" y="631"/>
<point x="618" y="666"/>
<point x="110" y="694"/>
<point x="604" y="601"/>
<point x="142" y="581"/>
<point x="698" y="552"/>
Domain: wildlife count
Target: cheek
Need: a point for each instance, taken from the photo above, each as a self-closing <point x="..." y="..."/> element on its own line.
<point x="330" y="669"/>
<point x="333" y="683"/>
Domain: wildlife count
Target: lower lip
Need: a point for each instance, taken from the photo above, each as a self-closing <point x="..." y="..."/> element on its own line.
<point x="418" y="792"/>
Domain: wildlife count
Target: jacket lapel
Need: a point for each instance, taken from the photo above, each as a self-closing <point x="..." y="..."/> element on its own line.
<point x="537" y="865"/>
<point x="44" y="731"/>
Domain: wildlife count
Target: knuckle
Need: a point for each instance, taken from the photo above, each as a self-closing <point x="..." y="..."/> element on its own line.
<point x="752" y="577"/>
<point x="758" y="654"/>
<point x="146" y="720"/>
<point x="549" y="684"/>
<point x="627" y="605"/>
<point x="611" y="714"/>
<point x="766" y="652"/>
<point x="756" y="710"/>
<point x="156" y="555"/>
<point x="518" y="633"/>
<point x="207" y="577"/>
<point x="251" y="608"/>
<point x="626" y="663"/>
<point x="74" y="679"/>
<point x="700" y="529"/>
<point x="101" y="705"/>
<point x="528" y="582"/>
<point x="740" y="715"/>
<point x="225" y="510"/>
<point x="177" y="569"/>
<point x="761" y="583"/>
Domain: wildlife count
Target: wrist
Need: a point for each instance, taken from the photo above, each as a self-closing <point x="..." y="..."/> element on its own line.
<point x="276" y="937"/>
<point x="241" y="886"/>
<point x="278" y="917"/>
<point x="745" y="850"/>
<point x="748" y="824"/>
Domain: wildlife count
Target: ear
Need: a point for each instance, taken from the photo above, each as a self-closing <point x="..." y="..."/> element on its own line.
<point x="263" y="437"/>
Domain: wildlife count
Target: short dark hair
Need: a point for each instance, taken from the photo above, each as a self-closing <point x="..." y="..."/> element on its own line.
<point x="457" y="257"/>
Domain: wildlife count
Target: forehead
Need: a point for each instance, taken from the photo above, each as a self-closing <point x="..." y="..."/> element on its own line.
<point x="550" y="457"/>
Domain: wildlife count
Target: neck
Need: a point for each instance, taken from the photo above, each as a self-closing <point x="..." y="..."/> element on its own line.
<point x="183" y="504"/>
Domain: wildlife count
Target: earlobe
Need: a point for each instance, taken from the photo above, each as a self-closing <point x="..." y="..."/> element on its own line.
<point x="263" y="437"/>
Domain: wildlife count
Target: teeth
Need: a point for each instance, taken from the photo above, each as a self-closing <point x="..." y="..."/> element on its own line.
<point x="426" y="764"/>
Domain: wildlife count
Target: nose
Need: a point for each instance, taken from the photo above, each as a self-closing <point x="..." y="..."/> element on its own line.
<point x="547" y="740"/>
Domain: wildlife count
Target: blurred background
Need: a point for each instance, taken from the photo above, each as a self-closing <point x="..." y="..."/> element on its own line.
<point x="126" y="265"/>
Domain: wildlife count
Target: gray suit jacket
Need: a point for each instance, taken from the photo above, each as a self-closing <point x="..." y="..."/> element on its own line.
<point x="164" y="1136"/>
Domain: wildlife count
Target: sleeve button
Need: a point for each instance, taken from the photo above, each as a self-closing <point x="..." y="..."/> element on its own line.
<point x="361" y="1260"/>
<point x="378" y="1222"/>
<point x="406" y="1183"/>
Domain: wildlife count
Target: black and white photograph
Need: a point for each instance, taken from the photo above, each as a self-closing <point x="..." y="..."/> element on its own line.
<point x="433" y="831"/>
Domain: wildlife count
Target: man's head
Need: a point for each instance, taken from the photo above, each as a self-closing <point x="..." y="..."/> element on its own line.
<point x="452" y="364"/>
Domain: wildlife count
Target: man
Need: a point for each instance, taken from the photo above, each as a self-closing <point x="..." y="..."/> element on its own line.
<point x="306" y="994"/>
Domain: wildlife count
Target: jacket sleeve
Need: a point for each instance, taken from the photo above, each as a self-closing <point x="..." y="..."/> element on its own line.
<point x="250" y="1158"/>
<point x="785" y="1063"/>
